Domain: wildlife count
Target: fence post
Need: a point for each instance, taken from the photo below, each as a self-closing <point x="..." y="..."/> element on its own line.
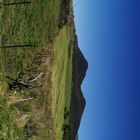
<point x="16" y="3"/>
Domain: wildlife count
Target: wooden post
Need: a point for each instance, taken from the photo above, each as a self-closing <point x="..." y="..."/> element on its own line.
<point x="16" y="3"/>
<point x="17" y="46"/>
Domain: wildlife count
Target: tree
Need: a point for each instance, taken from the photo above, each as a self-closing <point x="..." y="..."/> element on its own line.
<point x="29" y="84"/>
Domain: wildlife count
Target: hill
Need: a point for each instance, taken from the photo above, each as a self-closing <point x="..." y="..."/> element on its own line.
<point x="41" y="70"/>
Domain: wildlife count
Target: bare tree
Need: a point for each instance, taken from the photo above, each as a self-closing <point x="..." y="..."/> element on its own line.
<point x="19" y="84"/>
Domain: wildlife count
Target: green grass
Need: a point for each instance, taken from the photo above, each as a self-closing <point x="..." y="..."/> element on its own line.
<point x="36" y="24"/>
<point x="62" y="80"/>
<point x="8" y="128"/>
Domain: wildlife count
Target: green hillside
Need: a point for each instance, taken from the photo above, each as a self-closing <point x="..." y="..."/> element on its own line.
<point x="36" y="48"/>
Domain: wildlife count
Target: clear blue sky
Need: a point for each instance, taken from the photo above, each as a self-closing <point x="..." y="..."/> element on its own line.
<point x="109" y="36"/>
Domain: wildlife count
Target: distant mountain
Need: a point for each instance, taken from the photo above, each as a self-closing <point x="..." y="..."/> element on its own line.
<point x="78" y="102"/>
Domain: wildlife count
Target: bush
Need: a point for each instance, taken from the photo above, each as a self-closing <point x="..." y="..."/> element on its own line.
<point x="66" y="132"/>
<point x="30" y="129"/>
<point x="23" y="106"/>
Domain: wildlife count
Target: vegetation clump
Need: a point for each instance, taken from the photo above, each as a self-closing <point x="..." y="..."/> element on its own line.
<point x="23" y="106"/>
<point x="30" y="128"/>
<point x="65" y="12"/>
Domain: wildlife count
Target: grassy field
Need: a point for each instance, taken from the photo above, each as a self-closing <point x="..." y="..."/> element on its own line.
<point x="41" y="112"/>
<point x="34" y="24"/>
<point x="62" y="80"/>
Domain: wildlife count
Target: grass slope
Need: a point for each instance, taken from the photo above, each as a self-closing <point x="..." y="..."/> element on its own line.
<point x="41" y="112"/>
<point x="34" y="23"/>
<point x="62" y="80"/>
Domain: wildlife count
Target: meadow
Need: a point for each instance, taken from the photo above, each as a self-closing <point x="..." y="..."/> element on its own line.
<point x="36" y="80"/>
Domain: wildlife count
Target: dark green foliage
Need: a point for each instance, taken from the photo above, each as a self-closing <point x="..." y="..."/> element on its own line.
<point x="23" y="106"/>
<point x="66" y="113"/>
<point x="30" y="129"/>
<point x="65" y="11"/>
<point x="66" y="130"/>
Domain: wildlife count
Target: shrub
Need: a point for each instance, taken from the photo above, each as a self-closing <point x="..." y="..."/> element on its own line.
<point x="30" y="129"/>
<point x="23" y="106"/>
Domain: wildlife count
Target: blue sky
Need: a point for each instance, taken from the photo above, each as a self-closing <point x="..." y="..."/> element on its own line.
<point x="109" y="36"/>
